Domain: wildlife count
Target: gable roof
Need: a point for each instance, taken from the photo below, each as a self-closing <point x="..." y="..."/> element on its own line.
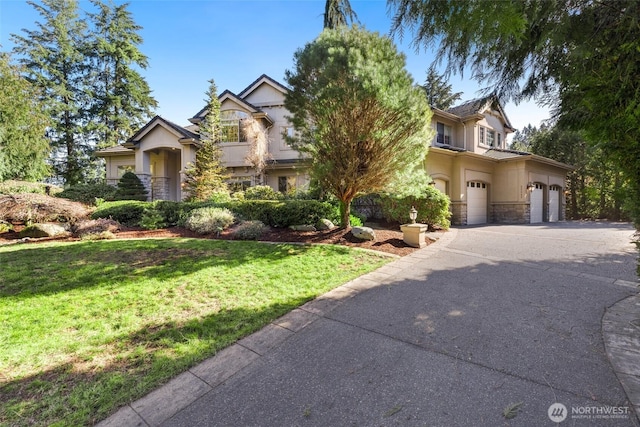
<point x="263" y="79"/>
<point x="178" y="130"/>
<point x="477" y="106"/>
<point x="227" y="94"/>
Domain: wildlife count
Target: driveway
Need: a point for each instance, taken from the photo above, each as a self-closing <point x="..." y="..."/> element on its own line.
<point x="488" y="327"/>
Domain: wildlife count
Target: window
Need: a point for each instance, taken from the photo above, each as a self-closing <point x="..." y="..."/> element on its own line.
<point x="239" y="183"/>
<point x="286" y="132"/>
<point x="286" y="184"/>
<point x="231" y="130"/>
<point x="499" y="140"/>
<point x="488" y="137"/>
<point x="122" y="169"/>
<point x="491" y="138"/>
<point x="444" y="134"/>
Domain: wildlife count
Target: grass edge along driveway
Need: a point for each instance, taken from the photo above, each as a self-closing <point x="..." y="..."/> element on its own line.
<point x="86" y="327"/>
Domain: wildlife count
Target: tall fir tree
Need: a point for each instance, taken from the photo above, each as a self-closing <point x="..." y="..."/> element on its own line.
<point x="438" y="91"/>
<point x="337" y="13"/>
<point x="121" y="98"/>
<point x="24" y="149"/>
<point x="53" y="56"/>
<point x="207" y="177"/>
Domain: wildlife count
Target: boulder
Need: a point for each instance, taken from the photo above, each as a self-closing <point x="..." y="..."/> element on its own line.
<point x="325" y="224"/>
<point x="302" y="228"/>
<point x="43" y="230"/>
<point x="363" y="233"/>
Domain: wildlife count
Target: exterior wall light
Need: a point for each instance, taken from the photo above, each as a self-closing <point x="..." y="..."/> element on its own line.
<point x="530" y="187"/>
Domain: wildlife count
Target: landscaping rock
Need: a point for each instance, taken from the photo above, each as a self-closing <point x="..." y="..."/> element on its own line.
<point x="363" y="233"/>
<point x="43" y="230"/>
<point x="302" y="228"/>
<point x="325" y="224"/>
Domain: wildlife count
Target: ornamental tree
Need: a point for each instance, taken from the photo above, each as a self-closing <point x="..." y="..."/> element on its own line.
<point x="357" y="113"/>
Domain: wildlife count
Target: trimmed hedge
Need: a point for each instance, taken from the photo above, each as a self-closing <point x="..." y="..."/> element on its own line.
<point x="126" y="212"/>
<point x="275" y="213"/>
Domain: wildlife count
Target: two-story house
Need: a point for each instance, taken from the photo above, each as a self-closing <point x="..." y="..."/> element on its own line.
<point x="469" y="161"/>
<point x="160" y="152"/>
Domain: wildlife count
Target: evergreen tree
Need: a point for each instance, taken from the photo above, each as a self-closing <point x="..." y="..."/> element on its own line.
<point x="357" y="113"/>
<point x="438" y="91"/>
<point x="580" y="57"/>
<point x="131" y="188"/>
<point x="337" y="13"/>
<point x="121" y="98"/>
<point x="522" y="138"/>
<point x="24" y="148"/>
<point x="53" y="56"/>
<point x="208" y="175"/>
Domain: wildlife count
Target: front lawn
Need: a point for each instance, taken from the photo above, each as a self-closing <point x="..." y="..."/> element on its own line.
<point x="87" y="327"/>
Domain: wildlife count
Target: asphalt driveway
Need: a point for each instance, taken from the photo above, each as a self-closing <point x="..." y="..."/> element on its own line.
<point x="489" y="327"/>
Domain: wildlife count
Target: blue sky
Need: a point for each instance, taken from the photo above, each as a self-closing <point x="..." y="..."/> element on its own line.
<point x="234" y="42"/>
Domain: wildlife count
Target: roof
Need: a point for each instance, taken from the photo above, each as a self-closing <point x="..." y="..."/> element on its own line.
<point x="477" y="106"/>
<point x="500" y="154"/>
<point x="470" y="107"/>
<point x="239" y="98"/>
<point x="118" y="150"/>
<point x="182" y="132"/>
<point x="263" y="79"/>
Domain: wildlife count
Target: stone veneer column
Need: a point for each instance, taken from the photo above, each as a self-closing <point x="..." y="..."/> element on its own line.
<point x="510" y="213"/>
<point x="160" y="185"/>
<point x="146" y="181"/>
<point x="458" y="213"/>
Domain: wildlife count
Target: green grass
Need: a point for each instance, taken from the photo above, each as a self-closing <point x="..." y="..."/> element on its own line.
<point x="89" y="326"/>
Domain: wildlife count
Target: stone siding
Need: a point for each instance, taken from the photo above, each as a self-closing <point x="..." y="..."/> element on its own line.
<point x="458" y="213"/>
<point x="160" y="188"/>
<point x="510" y="213"/>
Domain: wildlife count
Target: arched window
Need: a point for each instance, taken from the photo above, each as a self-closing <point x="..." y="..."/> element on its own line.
<point x="231" y="128"/>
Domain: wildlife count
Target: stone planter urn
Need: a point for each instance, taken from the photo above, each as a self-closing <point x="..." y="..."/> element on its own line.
<point x="413" y="234"/>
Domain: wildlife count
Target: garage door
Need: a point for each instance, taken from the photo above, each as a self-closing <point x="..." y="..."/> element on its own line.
<point x="536" y="199"/>
<point x="441" y="185"/>
<point x="476" y="202"/>
<point x="554" y="203"/>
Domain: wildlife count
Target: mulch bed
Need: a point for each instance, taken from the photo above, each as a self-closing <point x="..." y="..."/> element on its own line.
<point x="388" y="237"/>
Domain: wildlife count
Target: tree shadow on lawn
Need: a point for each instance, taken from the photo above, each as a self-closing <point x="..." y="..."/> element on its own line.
<point x="60" y="268"/>
<point x="83" y="391"/>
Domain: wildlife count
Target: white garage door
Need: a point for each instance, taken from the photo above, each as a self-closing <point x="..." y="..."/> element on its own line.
<point x="554" y="203"/>
<point x="536" y="199"/>
<point x="476" y="202"/>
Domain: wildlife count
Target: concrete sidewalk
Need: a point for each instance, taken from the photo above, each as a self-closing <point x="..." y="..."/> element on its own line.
<point x="489" y="326"/>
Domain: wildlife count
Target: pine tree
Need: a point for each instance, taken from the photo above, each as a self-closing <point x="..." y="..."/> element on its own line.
<point x="122" y="100"/>
<point x="438" y="91"/>
<point x="24" y="148"/>
<point x="207" y="177"/>
<point x="54" y="61"/>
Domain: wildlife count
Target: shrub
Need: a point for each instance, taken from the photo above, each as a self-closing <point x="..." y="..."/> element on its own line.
<point x="249" y="230"/>
<point x="152" y="219"/>
<point x="432" y="207"/>
<point x="88" y="193"/>
<point x="127" y="212"/>
<point x="131" y="188"/>
<point x="281" y="213"/>
<point x="5" y="226"/>
<point x="17" y="187"/>
<point x="262" y="192"/>
<point x="209" y="220"/>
